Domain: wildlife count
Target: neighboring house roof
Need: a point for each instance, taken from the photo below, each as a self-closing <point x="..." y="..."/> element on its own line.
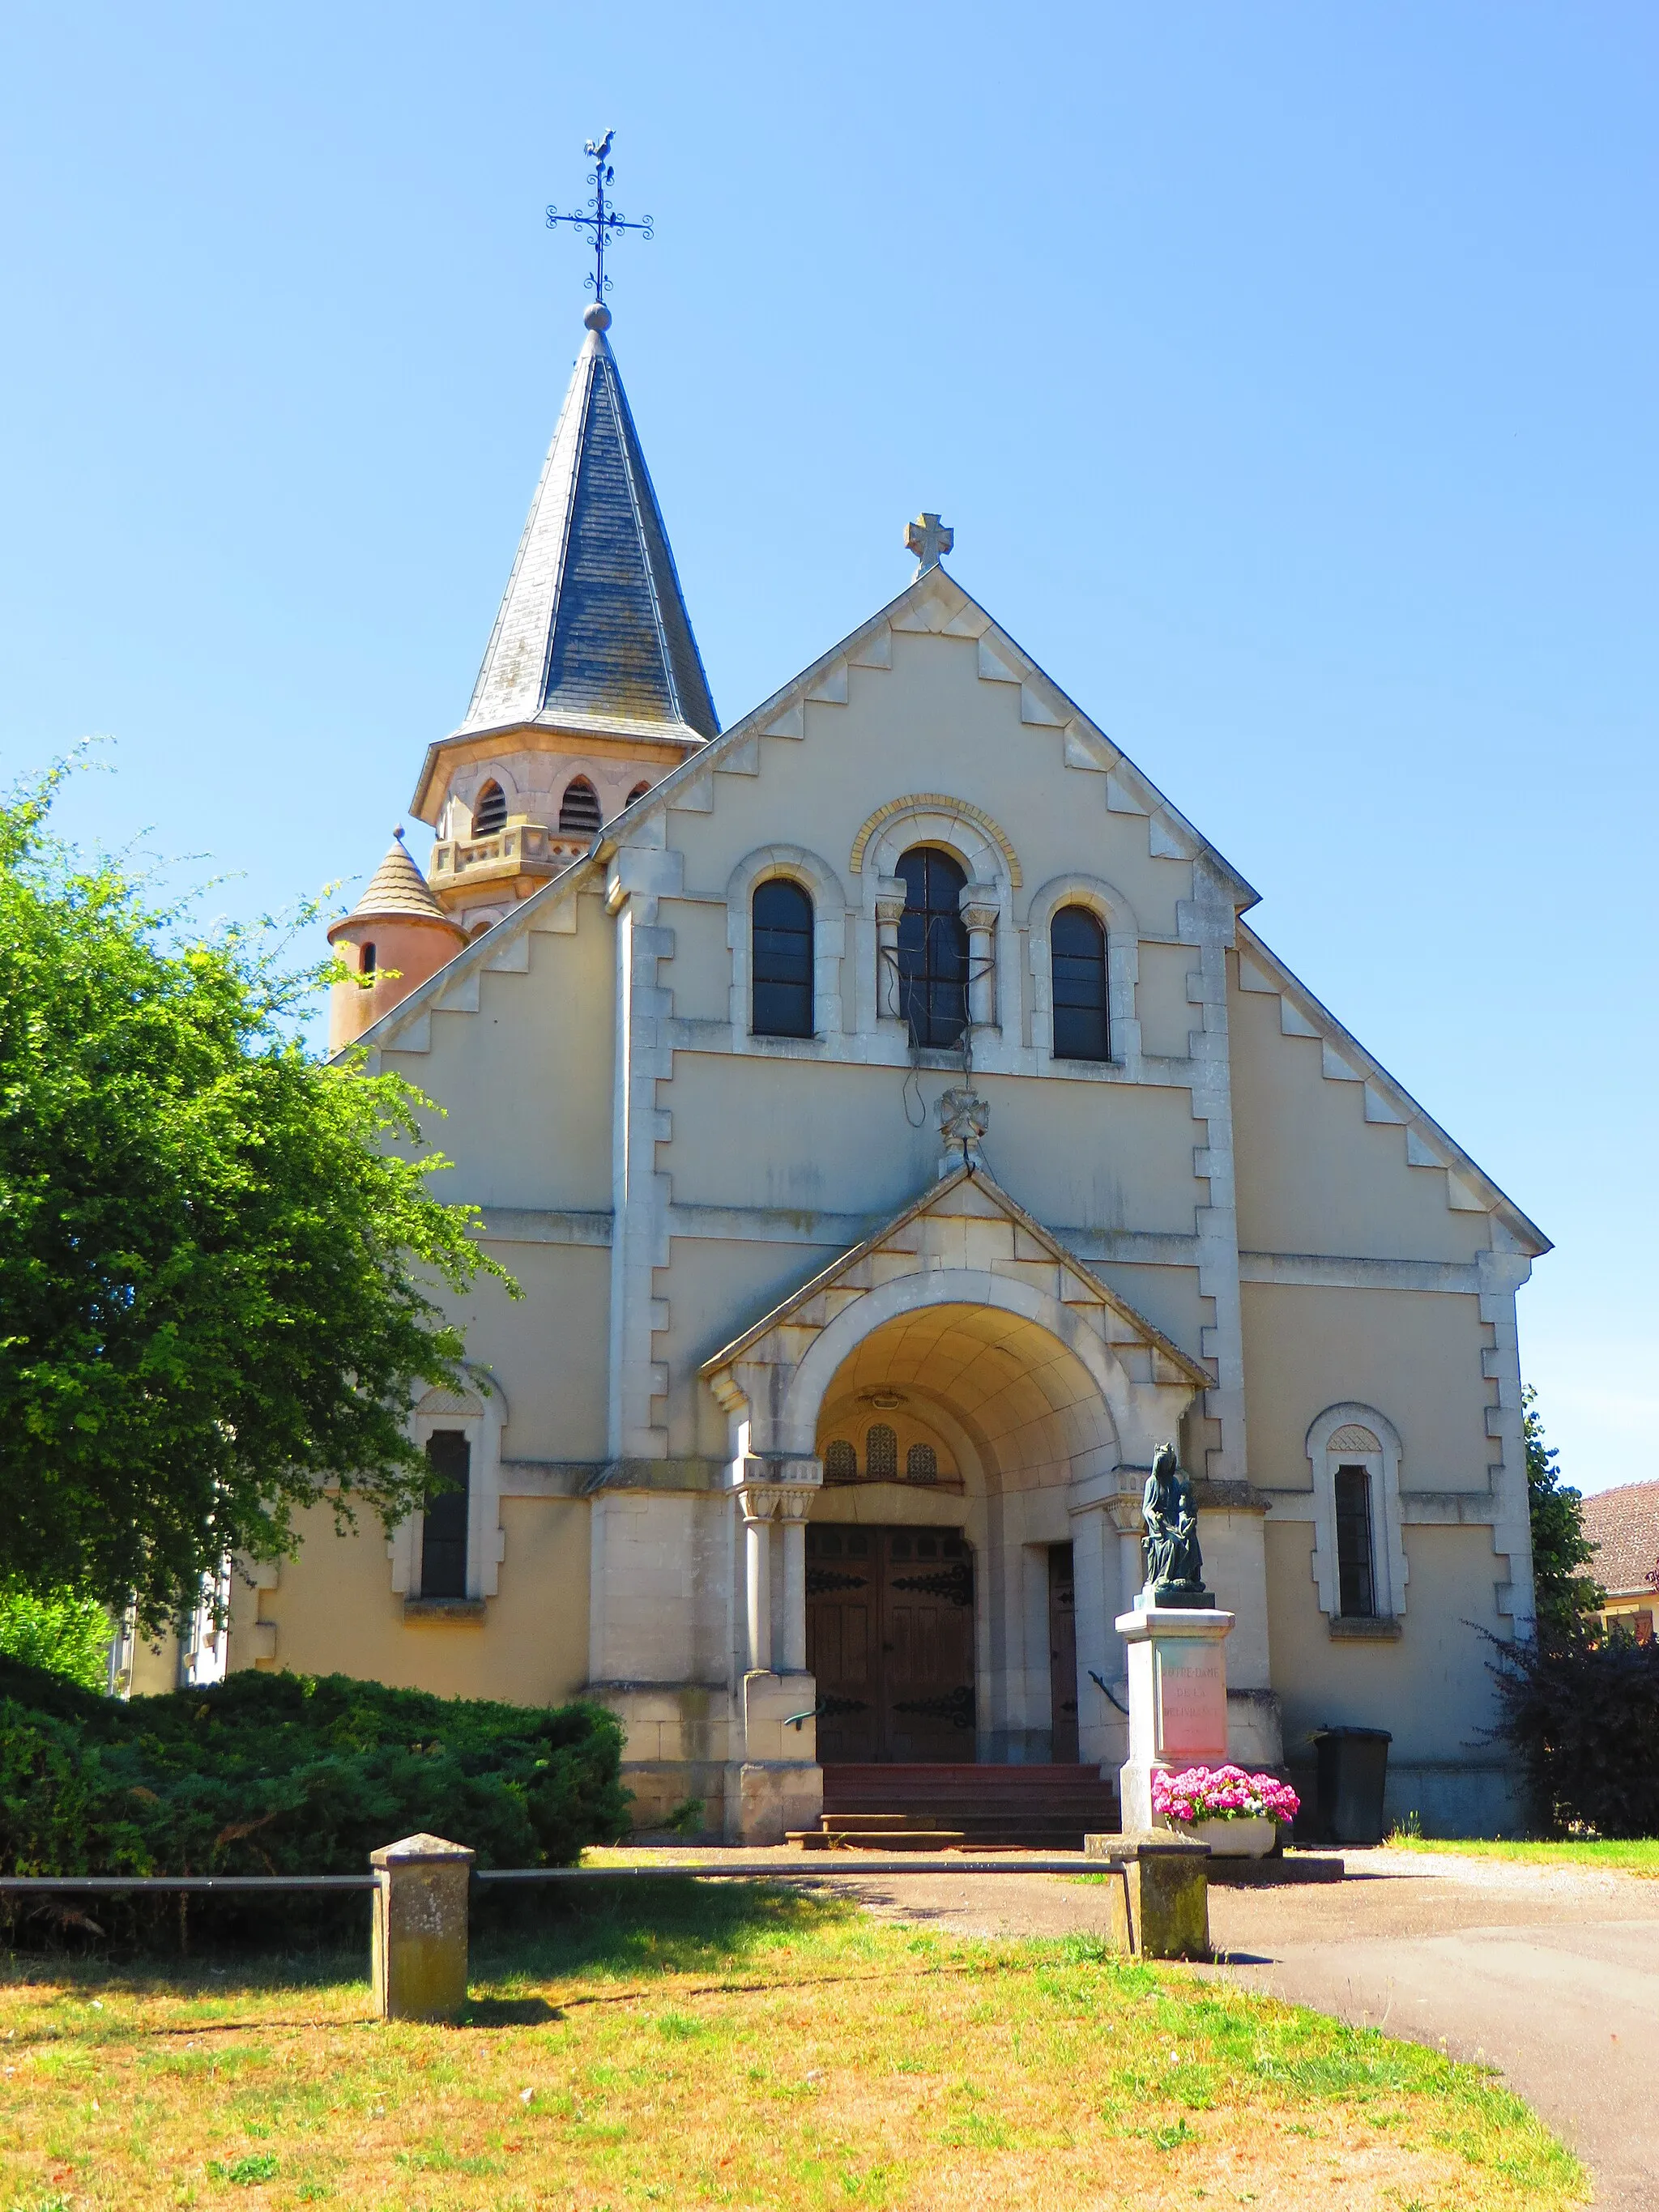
<point x="1624" y="1526"/>
<point x="592" y="630"/>
<point x="397" y="889"/>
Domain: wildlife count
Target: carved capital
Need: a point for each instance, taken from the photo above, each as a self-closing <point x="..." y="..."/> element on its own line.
<point x="1125" y="1513"/>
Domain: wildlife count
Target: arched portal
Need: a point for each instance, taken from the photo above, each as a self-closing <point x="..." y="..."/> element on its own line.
<point x="1033" y="1394"/>
<point x="940" y="1564"/>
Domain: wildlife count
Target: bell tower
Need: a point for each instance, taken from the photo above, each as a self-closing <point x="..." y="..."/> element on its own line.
<point x="592" y="687"/>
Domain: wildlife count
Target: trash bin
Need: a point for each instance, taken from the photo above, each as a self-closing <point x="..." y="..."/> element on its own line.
<point x="1353" y="1768"/>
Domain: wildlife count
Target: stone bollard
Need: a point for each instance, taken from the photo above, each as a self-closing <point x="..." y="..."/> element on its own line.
<point x="418" y="1953"/>
<point x="1162" y="1912"/>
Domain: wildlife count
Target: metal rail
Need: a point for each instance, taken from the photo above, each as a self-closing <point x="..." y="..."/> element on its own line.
<point x="837" y="1865"/>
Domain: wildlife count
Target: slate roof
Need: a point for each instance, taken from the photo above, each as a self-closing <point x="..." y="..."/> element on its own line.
<point x="1624" y="1524"/>
<point x="398" y="888"/>
<point x="593" y="631"/>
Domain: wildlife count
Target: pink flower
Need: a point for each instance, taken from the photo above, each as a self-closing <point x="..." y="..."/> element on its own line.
<point x="1222" y="1793"/>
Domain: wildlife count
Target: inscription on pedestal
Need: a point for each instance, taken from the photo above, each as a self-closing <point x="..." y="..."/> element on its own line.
<point x="1192" y="1701"/>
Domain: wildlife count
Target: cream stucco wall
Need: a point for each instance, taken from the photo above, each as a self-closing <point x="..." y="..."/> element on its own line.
<point x="1414" y="1355"/>
<point x="335" y="1612"/>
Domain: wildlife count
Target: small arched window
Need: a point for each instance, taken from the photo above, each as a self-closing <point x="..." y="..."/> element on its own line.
<point x="840" y="1462"/>
<point x="921" y="1464"/>
<point x="638" y="792"/>
<point x="366" y="960"/>
<point x="489" y="815"/>
<point x="1078" y="948"/>
<point x="781" y="912"/>
<point x="881" y="1454"/>
<point x="932" y="948"/>
<point x="579" y="809"/>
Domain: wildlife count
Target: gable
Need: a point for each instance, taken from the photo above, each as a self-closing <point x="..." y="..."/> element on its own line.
<point x="966" y="1221"/>
<point x="983" y="696"/>
<point x="1334" y="1155"/>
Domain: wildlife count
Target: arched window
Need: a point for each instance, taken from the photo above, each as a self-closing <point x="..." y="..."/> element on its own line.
<point x="881" y="1454"/>
<point x="443" y="1523"/>
<point x="932" y="948"/>
<point x="579" y="809"/>
<point x="1078" y="946"/>
<point x="489" y="815"/>
<point x="366" y="961"/>
<point x="840" y="1462"/>
<point x="782" y="914"/>
<point x="1356" y="1573"/>
<point x="921" y="1464"/>
<point x="638" y="792"/>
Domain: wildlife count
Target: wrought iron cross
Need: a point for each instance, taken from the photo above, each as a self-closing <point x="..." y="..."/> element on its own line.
<point x="929" y="538"/>
<point x="601" y="220"/>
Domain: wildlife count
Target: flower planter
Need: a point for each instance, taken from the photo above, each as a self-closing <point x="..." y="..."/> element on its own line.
<point x="1251" y="1838"/>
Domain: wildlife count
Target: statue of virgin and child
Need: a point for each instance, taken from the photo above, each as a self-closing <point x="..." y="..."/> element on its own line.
<point x="1174" y="1564"/>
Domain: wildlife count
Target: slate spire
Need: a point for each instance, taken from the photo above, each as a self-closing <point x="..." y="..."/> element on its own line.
<point x="593" y="632"/>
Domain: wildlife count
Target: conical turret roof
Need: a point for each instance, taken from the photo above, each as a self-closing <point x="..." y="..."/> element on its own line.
<point x="397" y="888"/>
<point x="593" y="631"/>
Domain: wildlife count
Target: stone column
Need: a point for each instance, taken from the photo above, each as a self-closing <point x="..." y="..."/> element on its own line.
<point x="757" y="1563"/>
<point x="890" y="905"/>
<point x="418" y="1948"/>
<point x="774" y="1785"/>
<point x="1128" y="1527"/>
<point x="982" y="909"/>
<point x="792" y="1530"/>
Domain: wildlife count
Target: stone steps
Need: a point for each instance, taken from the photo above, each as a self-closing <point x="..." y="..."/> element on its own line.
<point x="1048" y="1807"/>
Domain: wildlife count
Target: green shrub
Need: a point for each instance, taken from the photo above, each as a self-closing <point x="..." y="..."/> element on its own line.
<point x="293" y="1774"/>
<point x="1583" y="1717"/>
<point x="60" y="1631"/>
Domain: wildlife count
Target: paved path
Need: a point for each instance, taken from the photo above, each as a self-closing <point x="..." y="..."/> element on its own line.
<point x="1551" y="1974"/>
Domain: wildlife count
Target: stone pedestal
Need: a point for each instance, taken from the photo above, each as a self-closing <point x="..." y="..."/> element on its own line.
<point x="1162" y="1909"/>
<point x="1177" y="1699"/>
<point x="417" y="1956"/>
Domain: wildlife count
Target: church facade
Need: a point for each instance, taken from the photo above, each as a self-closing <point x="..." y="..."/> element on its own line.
<point x="899" y="1131"/>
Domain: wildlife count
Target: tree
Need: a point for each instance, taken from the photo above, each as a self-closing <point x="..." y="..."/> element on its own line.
<point x="217" y="1255"/>
<point x="57" y="1631"/>
<point x="1566" y="1598"/>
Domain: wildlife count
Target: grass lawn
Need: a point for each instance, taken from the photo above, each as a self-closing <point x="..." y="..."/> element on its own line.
<point x="685" y="2046"/>
<point x="1639" y="1857"/>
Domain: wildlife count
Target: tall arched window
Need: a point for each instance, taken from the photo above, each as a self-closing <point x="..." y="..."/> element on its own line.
<point x="443" y="1535"/>
<point x="782" y="914"/>
<point x="1078" y="946"/>
<point x="638" y="792"/>
<point x="932" y="948"/>
<point x="579" y="809"/>
<point x="489" y="815"/>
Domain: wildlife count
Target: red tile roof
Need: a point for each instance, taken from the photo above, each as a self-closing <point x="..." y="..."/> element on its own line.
<point x="1623" y="1524"/>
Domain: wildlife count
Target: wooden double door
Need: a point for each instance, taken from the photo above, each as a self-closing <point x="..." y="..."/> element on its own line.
<point x="890" y="1635"/>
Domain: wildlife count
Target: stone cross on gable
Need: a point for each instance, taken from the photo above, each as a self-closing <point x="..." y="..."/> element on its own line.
<point x="929" y="538"/>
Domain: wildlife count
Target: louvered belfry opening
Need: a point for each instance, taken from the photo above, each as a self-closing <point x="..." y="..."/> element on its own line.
<point x="579" y="809"/>
<point x="489" y="815"/>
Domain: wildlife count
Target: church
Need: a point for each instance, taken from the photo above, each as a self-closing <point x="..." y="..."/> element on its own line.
<point x="899" y="1131"/>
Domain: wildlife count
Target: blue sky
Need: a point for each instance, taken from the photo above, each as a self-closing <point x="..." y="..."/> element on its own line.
<point x="1286" y="372"/>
